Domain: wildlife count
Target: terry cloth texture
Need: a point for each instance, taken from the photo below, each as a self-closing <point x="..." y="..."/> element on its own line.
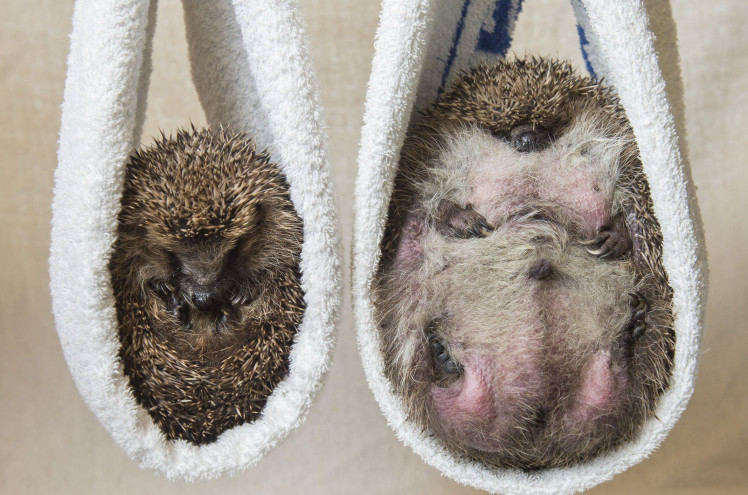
<point x="253" y="73"/>
<point x="420" y="46"/>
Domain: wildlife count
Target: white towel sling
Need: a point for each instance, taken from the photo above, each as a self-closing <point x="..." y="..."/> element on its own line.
<point x="253" y="72"/>
<point x="420" y="46"/>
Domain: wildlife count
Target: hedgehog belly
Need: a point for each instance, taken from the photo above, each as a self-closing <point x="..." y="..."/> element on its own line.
<point x="525" y="316"/>
<point x="537" y="365"/>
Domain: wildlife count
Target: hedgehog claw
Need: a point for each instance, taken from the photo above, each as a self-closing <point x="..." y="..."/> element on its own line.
<point x="637" y="325"/>
<point x="172" y="302"/>
<point x="461" y="222"/>
<point x="608" y="244"/>
<point x="182" y="313"/>
<point x="638" y="302"/>
<point x="239" y="299"/>
<point x="638" y="331"/>
<point x="161" y="287"/>
<point x="223" y="319"/>
<point x="245" y="293"/>
<point x="442" y="357"/>
<point x="599" y="239"/>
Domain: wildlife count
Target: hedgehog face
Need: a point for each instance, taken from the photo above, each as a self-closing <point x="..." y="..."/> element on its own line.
<point x="201" y="213"/>
<point x="205" y="280"/>
<point x="204" y="272"/>
<point x="209" y="267"/>
<point x="214" y="278"/>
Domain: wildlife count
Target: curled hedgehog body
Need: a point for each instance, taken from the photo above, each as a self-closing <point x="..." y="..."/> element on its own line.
<point x="205" y="272"/>
<point x="525" y="316"/>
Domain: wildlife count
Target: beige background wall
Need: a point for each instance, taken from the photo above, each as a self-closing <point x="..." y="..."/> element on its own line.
<point x="50" y="442"/>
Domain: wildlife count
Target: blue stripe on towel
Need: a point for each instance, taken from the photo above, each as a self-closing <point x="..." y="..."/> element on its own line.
<point x="455" y="42"/>
<point x="499" y="40"/>
<point x="583" y="43"/>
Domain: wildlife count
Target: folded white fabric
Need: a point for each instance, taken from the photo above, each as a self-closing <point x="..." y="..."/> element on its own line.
<point x="420" y="46"/>
<point x="253" y="73"/>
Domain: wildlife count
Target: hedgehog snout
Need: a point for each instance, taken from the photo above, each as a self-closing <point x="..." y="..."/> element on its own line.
<point x="530" y="137"/>
<point x="204" y="299"/>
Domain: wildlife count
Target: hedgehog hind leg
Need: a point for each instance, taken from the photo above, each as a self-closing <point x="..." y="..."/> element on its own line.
<point x="635" y="327"/>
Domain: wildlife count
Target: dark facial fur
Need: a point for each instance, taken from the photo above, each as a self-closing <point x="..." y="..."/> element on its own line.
<point x="206" y="281"/>
<point x="525" y="316"/>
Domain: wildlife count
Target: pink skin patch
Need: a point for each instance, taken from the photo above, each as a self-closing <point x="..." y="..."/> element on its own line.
<point x="410" y="248"/>
<point x="600" y="386"/>
<point x="581" y="194"/>
<point x="482" y="406"/>
<point x="469" y="403"/>
<point x="500" y="194"/>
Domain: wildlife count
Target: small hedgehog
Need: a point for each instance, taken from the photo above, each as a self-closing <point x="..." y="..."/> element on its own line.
<point x="525" y="316"/>
<point x="205" y="271"/>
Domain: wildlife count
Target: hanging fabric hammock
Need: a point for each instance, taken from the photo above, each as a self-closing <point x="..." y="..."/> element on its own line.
<point x="421" y="46"/>
<point x="253" y="74"/>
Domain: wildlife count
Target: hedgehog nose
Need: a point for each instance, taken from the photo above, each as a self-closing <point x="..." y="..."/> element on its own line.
<point x="203" y="300"/>
<point x="528" y="138"/>
<point x="526" y="141"/>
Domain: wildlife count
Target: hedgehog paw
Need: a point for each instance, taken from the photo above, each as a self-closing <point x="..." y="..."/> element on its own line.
<point x="608" y="244"/>
<point x="182" y="313"/>
<point x="453" y="220"/>
<point x="243" y="296"/>
<point x="223" y="319"/>
<point x="637" y="324"/>
<point x="164" y="290"/>
<point x="161" y="287"/>
<point x="442" y="357"/>
<point x="177" y="308"/>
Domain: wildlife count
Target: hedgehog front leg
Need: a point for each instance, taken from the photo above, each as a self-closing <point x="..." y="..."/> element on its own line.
<point x="612" y="241"/>
<point x="174" y="304"/>
<point x="178" y="309"/>
<point x="453" y="220"/>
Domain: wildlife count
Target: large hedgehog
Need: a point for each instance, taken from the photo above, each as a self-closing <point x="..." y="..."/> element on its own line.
<point x="205" y="271"/>
<point x="525" y="315"/>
